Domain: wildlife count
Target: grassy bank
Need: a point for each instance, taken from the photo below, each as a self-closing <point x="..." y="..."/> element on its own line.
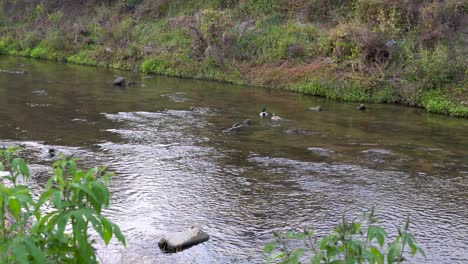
<point x="392" y="51"/>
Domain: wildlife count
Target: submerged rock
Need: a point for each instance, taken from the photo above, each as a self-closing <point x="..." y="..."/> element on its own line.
<point x="323" y="152"/>
<point x="315" y="108"/>
<point x="239" y="126"/>
<point x="298" y="131"/>
<point x="378" y="152"/>
<point x="178" y="241"/>
<point x="119" y="81"/>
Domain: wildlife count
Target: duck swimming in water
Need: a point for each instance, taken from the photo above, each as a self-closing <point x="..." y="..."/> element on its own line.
<point x="276" y="118"/>
<point x="263" y="114"/>
<point x="51" y="152"/>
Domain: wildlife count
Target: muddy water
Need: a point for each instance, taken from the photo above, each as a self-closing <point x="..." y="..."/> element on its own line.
<point x="176" y="169"/>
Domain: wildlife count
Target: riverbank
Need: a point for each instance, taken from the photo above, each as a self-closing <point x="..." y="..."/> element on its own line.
<point x="363" y="51"/>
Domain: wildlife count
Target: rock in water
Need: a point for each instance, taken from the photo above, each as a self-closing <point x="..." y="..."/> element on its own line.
<point x="238" y="126"/>
<point x="316" y="108"/>
<point x="120" y="81"/>
<point x="362" y="107"/>
<point x="323" y="152"/>
<point x="178" y="241"/>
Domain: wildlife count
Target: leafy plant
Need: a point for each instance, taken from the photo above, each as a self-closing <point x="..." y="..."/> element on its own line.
<point x="348" y="244"/>
<point x="54" y="228"/>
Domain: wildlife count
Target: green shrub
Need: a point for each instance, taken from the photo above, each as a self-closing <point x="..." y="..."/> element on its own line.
<point x="30" y="40"/>
<point x="350" y="242"/>
<point x="436" y="67"/>
<point x="155" y="65"/>
<point x="123" y="29"/>
<point x="82" y="58"/>
<point x="436" y="101"/>
<point x="391" y="17"/>
<point x="39" y="52"/>
<point x="7" y="46"/>
<point x="74" y="200"/>
<point x="55" y="41"/>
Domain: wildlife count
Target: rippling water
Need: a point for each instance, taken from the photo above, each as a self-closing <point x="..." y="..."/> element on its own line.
<point x="175" y="168"/>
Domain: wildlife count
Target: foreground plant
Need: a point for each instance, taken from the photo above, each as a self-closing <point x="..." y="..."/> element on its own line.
<point x="348" y="244"/>
<point x="55" y="227"/>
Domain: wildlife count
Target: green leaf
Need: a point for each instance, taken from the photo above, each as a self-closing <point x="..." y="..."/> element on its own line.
<point x="15" y="208"/>
<point x="377" y="255"/>
<point x="379" y="233"/>
<point x="19" y="252"/>
<point x="332" y="251"/>
<point x="270" y="247"/>
<point x="296" y="255"/>
<point x="107" y="226"/>
<point x="2" y="167"/>
<point x="85" y="189"/>
<point x="23" y="167"/>
<point x="118" y="234"/>
<point x="57" y="199"/>
<point x="337" y="261"/>
<point x="294" y="235"/>
<point x="393" y="252"/>
<point x="36" y="253"/>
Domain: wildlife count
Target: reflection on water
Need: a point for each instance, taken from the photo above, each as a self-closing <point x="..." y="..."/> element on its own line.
<point x="176" y="169"/>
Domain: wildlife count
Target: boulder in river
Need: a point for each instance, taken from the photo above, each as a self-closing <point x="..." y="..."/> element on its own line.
<point x="362" y="107"/>
<point x="315" y="108"/>
<point x="120" y="81"/>
<point x="178" y="241"/>
<point x="238" y="126"/>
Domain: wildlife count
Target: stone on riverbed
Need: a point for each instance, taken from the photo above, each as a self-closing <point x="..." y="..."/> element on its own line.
<point x="120" y="81"/>
<point x="323" y="152"/>
<point x="178" y="241"/>
<point x="238" y="126"/>
<point x="315" y="108"/>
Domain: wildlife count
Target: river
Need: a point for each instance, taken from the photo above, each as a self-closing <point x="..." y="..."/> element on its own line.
<point x="175" y="168"/>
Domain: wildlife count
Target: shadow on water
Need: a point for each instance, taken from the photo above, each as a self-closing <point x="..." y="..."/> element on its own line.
<point x="176" y="169"/>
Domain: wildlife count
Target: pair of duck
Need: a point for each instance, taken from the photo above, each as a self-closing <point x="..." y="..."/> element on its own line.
<point x="264" y="114"/>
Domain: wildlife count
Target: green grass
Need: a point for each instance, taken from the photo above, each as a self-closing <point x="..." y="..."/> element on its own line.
<point x="437" y="102"/>
<point x="82" y="58"/>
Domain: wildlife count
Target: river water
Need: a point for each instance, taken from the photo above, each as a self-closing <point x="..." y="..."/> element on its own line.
<point x="175" y="168"/>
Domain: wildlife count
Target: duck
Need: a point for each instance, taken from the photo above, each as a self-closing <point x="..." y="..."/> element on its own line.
<point x="51" y="152"/>
<point x="274" y="117"/>
<point x="263" y="114"/>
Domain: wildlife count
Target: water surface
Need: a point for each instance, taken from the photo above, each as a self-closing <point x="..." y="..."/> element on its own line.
<point x="175" y="168"/>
